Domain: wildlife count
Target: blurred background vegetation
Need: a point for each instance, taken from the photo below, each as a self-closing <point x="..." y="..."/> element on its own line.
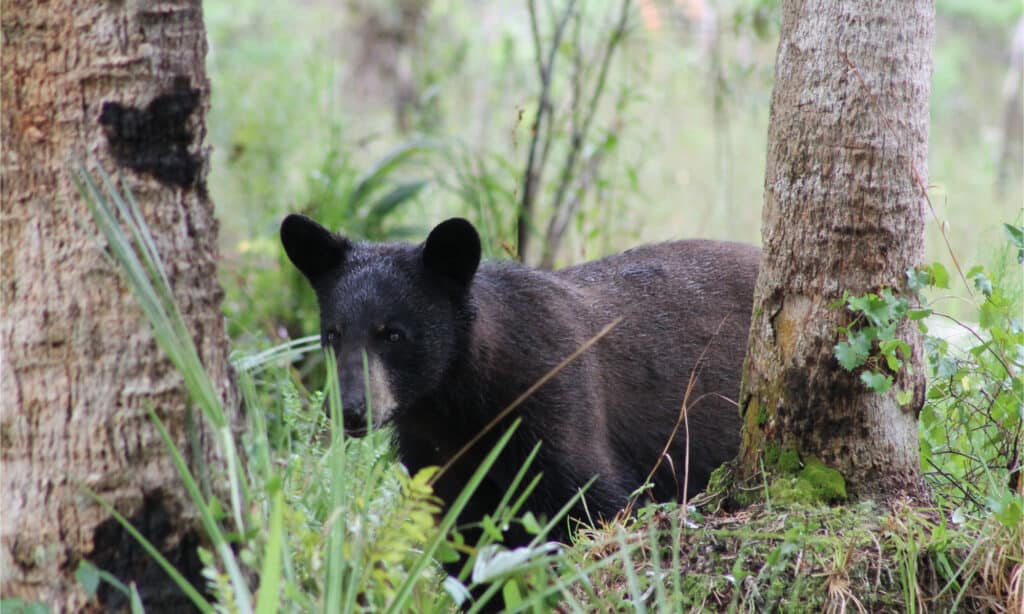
<point x="380" y="118"/>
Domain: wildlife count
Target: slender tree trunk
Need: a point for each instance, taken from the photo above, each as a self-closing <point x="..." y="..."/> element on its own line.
<point x="126" y="82"/>
<point x="847" y="156"/>
<point x="1011" y="152"/>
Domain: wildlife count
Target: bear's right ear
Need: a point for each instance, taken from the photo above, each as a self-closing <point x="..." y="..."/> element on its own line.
<point x="452" y="250"/>
<point x="313" y="249"/>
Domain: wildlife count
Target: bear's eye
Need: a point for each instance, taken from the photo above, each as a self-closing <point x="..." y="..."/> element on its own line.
<point x="390" y="334"/>
<point x="331" y="337"/>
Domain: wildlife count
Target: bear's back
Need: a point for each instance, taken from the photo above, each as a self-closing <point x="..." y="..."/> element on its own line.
<point x="686" y="316"/>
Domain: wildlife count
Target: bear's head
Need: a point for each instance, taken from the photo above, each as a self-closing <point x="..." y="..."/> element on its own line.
<point x="392" y="313"/>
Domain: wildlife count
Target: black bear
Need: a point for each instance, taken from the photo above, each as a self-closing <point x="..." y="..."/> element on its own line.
<point x="450" y="342"/>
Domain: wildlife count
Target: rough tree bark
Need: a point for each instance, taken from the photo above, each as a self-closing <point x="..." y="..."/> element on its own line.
<point x="847" y="157"/>
<point x="124" y="81"/>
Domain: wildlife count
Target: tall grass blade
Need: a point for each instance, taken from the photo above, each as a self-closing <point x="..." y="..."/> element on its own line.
<point x="270" y="572"/>
<point x="449" y="519"/>
<point x="200" y="602"/>
<point x="636" y="596"/>
<point x="288" y="351"/>
<point x="336" y="561"/>
<point x="145" y="275"/>
<point x="400" y="194"/>
<point x="136" y="601"/>
<point x="220" y="544"/>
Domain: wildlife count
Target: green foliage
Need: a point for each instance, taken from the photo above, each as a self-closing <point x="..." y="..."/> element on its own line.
<point x="973" y="418"/>
<point x="14" y="605"/>
<point x="341" y="528"/>
<point x="871" y="341"/>
<point x="362" y="204"/>
<point x="993" y="12"/>
<point x="803" y="480"/>
<point x="972" y="423"/>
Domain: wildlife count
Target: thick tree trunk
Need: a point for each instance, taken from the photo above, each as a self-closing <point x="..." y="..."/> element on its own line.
<point x="847" y="156"/>
<point x="124" y="81"/>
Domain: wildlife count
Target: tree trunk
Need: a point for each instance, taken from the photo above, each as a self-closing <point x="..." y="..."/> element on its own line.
<point x="126" y="82"/>
<point x="847" y="159"/>
<point x="1011" y="152"/>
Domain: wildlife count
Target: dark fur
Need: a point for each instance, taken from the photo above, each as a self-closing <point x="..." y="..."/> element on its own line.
<point x="473" y="340"/>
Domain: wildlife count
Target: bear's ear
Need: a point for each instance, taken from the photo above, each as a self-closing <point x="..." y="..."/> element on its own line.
<point x="313" y="249"/>
<point x="453" y="250"/>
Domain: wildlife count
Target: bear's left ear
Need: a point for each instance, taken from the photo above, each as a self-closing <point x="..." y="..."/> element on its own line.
<point x="453" y="251"/>
<point x="313" y="249"/>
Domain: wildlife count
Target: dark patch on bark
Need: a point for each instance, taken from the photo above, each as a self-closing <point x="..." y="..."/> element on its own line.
<point x="822" y="402"/>
<point x="120" y="554"/>
<point x="155" y="140"/>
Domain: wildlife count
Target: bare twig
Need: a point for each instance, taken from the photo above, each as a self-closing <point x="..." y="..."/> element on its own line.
<point x="683" y="419"/>
<point x="530" y="177"/>
<point x="561" y="215"/>
<point x="547" y="377"/>
<point x="560" y="221"/>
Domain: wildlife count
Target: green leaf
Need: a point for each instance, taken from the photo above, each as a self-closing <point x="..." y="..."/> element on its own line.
<point x="836" y="304"/>
<point x="396" y="197"/>
<point x="1016" y="234"/>
<point x="446" y="553"/>
<point x="889" y="348"/>
<point x="216" y="509"/>
<point x="918" y="279"/>
<point x="877" y="382"/>
<point x="379" y="173"/>
<point x="530" y="523"/>
<point x="490" y="527"/>
<point x="989" y="315"/>
<point x="880" y="310"/>
<point x="918" y="314"/>
<point x="853" y="353"/>
<point x="904" y="397"/>
<point x="1008" y="509"/>
<point x="510" y="593"/>
<point x="88" y="577"/>
<point x="983" y="284"/>
<point x="14" y="605"/>
<point x="939" y="275"/>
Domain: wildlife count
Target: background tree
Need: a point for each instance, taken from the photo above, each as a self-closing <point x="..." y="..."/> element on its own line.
<point x="844" y="210"/>
<point x="126" y="82"/>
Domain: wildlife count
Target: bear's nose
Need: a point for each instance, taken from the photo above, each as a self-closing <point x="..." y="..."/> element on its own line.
<point x="355" y="421"/>
<point x="353" y="415"/>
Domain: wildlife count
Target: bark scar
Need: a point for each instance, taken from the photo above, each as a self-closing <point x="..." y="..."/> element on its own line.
<point x="155" y="140"/>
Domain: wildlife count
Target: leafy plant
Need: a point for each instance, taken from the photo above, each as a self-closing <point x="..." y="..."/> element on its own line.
<point x="871" y="339"/>
<point x="972" y="424"/>
<point x="341" y="528"/>
<point x="267" y="296"/>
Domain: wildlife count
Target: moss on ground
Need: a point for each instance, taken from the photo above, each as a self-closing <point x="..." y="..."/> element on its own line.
<point x="771" y="558"/>
<point x="814" y="483"/>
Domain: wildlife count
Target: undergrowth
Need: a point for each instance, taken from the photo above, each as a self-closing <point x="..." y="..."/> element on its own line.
<point x="315" y="521"/>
